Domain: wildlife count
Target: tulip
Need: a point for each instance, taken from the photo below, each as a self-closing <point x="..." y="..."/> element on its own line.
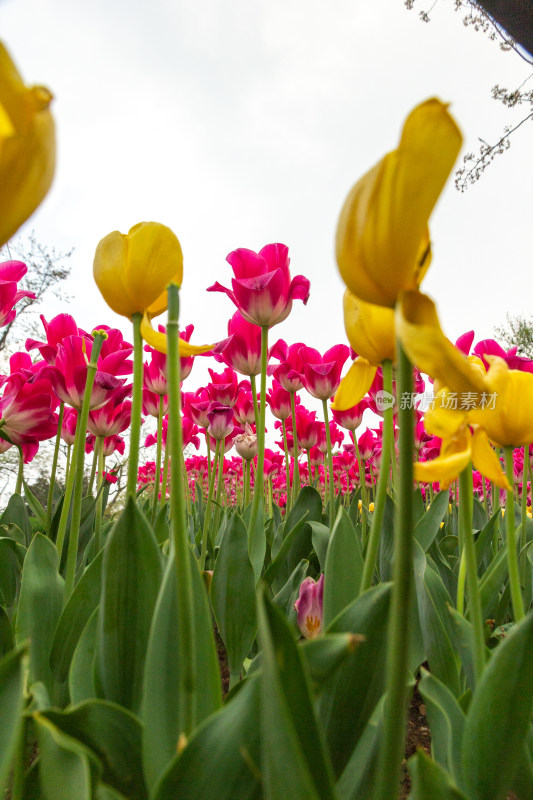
<point x="220" y="421"/>
<point x="10" y="273"/>
<point x="310" y="607"/>
<point x="57" y="330"/>
<point x="27" y="147"/>
<point x="510" y="422"/>
<point x="322" y="374"/>
<point x="224" y="387"/>
<point x="27" y="410"/>
<point x="242" y="349"/>
<point x="262" y="287"/>
<point x="246" y="444"/>
<point x="382" y="239"/>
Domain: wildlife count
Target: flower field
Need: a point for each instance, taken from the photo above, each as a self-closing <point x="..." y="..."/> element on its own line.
<point x="381" y="542"/>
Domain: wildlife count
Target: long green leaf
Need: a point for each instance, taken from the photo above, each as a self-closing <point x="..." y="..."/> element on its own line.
<point x="233" y="595"/>
<point x="428" y="526"/>
<point x="81" y="675"/>
<point x="160" y="711"/>
<point x="500" y="711"/>
<point x="40" y="605"/>
<point x="430" y="781"/>
<point x="11" y="559"/>
<point x="446" y="721"/>
<point x="130" y="584"/>
<point x="344" y="568"/>
<point x="294" y="759"/>
<point x="68" y="770"/>
<point x="222" y="759"/>
<point x="11" y="706"/>
<point x="16" y="514"/>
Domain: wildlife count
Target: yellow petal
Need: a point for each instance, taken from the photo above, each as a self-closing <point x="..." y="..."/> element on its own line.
<point x="418" y="328"/>
<point x="382" y="241"/>
<point x="158" y="341"/>
<point x="507" y="414"/>
<point x="444" y="418"/>
<point x="486" y="461"/>
<point x="27" y="147"/>
<point x="455" y="456"/>
<point x="370" y="329"/>
<point x="354" y="385"/>
<point x="133" y="270"/>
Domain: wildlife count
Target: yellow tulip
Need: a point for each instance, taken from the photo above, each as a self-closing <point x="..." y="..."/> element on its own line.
<point x="133" y="270"/>
<point x="27" y="147"/>
<point x="158" y="341"/>
<point x="510" y="422"/>
<point x="370" y="329"/>
<point x="382" y="241"/>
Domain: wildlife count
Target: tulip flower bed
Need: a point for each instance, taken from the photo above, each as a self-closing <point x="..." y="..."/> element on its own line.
<point x="339" y="571"/>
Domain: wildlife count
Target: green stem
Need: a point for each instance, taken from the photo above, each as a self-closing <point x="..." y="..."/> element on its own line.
<point x="99" y="449"/>
<point x="475" y="611"/>
<point x="512" y="558"/>
<point x="523" y="521"/>
<point x="93" y="471"/>
<point x="330" y="475"/>
<point x="77" y="467"/>
<point x="20" y="472"/>
<point x="208" y="508"/>
<point x="54" y="468"/>
<point x="208" y="443"/>
<point x="309" y="467"/>
<point x="257" y="503"/>
<point x="185" y="598"/>
<point x="362" y="482"/>
<point x="164" y="479"/>
<point x="159" y="449"/>
<point x="381" y="493"/>
<point x="220" y="484"/>
<point x="253" y="384"/>
<point x="136" y="405"/>
<point x="296" y="466"/>
<point x="246" y="482"/>
<point x="287" y="466"/>
<point x="67" y="466"/>
<point x="394" y="721"/>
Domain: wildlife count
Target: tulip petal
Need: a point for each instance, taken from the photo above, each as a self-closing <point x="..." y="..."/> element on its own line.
<point x="370" y="329"/>
<point x="443" y="469"/>
<point x="508" y="421"/>
<point x="418" y="328"/>
<point x="158" y="341"/>
<point x="354" y="385"/>
<point x="486" y="461"/>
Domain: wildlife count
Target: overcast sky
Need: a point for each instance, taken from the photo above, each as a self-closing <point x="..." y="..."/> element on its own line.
<point x="247" y="122"/>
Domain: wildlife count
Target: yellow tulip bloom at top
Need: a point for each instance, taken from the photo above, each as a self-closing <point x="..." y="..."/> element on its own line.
<point x="382" y="241"/>
<point x="510" y="422"/>
<point x="27" y="147"/>
<point x="132" y="270"/>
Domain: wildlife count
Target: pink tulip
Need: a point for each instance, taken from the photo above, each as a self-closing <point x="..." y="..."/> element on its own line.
<point x="151" y="403"/>
<point x="262" y="287"/>
<point x="110" y="419"/>
<point x="68" y="427"/>
<point x="243" y="410"/>
<point x="27" y="410"/>
<point x="291" y="367"/>
<point x="322" y="374"/>
<point x="242" y="349"/>
<point x="57" y="330"/>
<point x="112" y="444"/>
<point x="196" y="406"/>
<point x="10" y="273"/>
<point x="352" y="417"/>
<point x="220" y="420"/>
<point x="279" y="400"/>
<point x="246" y="444"/>
<point x="224" y="387"/>
<point x="310" y="607"/>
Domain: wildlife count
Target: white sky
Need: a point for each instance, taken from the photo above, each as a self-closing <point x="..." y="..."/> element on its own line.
<point x="247" y="122"/>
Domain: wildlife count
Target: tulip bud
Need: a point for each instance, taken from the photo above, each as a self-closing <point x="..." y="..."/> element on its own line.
<point x="246" y="444"/>
<point x="310" y="606"/>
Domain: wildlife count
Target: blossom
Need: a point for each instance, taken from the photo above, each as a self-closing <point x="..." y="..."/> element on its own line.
<point x="242" y="349"/>
<point x="27" y="410"/>
<point x="10" y="273"/>
<point x="246" y="443"/>
<point x="322" y="374"/>
<point x="220" y="420"/>
<point x="262" y="288"/>
<point x="510" y="422"/>
<point x="382" y="242"/>
<point x="27" y="147"/>
<point x="310" y="607"/>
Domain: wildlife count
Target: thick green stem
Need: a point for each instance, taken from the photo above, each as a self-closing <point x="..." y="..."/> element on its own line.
<point x="381" y="493"/>
<point x="20" y="472"/>
<point x="259" y="474"/>
<point x="296" y="466"/>
<point x="67" y="465"/>
<point x="136" y="405"/>
<point x="54" y="468"/>
<point x="180" y="538"/>
<point x="512" y="558"/>
<point x="246" y="482"/>
<point x="253" y="384"/>
<point x="77" y="467"/>
<point x="99" y="449"/>
<point x="92" y="475"/>
<point x="220" y="485"/>
<point x="330" y="475"/>
<point x="523" y="519"/>
<point x="475" y="612"/>
<point x="394" y="721"/>
<point x="288" y="503"/>
<point x="362" y="483"/>
<point x="159" y="449"/>
<point x="208" y="443"/>
<point x="208" y="508"/>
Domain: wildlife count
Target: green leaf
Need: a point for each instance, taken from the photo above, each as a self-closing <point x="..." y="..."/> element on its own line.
<point x="67" y="769"/>
<point x="297" y="541"/>
<point x="36" y="507"/>
<point x="386" y="542"/>
<point x="11" y="560"/>
<point x="222" y="759"/>
<point x="346" y="701"/>
<point x="114" y="735"/>
<point x="11" y="707"/>
<point x="500" y="712"/>
<point x="16" y="514"/>
<point x="80" y="606"/>
<point x="131" y="579"/>
<point x="294" y="759"/>
<point x="433" y="601"/>
<point x="7" y="641"/>
<point x="490" y="585"/>
<point x="81" y="675"/>
<point x="326" y="653"/>
<point x="289" y="593"/>
<point x="40" y="605"/>
<point x="430" y="781"/>
<point x="344" y="568"/>
<point x="359" y="776"/>
<point x="446" y="722"/>
<point x="428" y="526"/>
<point x="233" y="595"/>
<point x="161" y="707"/>
<point x="320" y="540"/>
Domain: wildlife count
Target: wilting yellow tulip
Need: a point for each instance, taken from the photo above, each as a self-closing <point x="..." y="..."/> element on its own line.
<point x="510" y="422"/>
<point x="133" y="270"/>
<point x="27" y="147"/>
<point x="370" y="331"/>
<point x="382" y="241"/>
